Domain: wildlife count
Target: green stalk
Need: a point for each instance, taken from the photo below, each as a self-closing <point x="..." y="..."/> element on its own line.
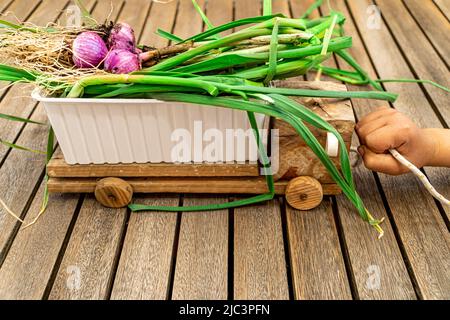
<point x="18" y="147"/>
<point x="377" y="95"/>
<point x="267" y="7"/>
<point x="231" y="25"/>
<point x="134" y="89"/>
<point x="299" y="67"/>
<point x="322" y="27"/>
<point x="179" y="59"/>
<point x="437" y="85"/>
<point x="78" y="88"/>
<point x="226" y="205"/>
<point x="312" y="23"/>
<point x="309" y="116"/>
<point x="294" y="38"/>
<point x="311" y="9"/>
<point x="272" y="71"/>
<point x="169" y="36"/>
<point x="250" y="56"/>
<point x="352" y="62"/>
<point x="9" y="25"/>
<point x="19" y="119"/>
<point x="282" y="22"/>
<point x="286" y="115"/>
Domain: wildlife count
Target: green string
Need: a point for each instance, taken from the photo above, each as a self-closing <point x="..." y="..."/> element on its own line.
<point x="233" y="204"/>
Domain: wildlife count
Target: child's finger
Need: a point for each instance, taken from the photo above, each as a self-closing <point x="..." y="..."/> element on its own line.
<point x="368" y="128"/>
<point x="384" y="163"/>
<point x="380" y="112"/>
<point x="385" y="138"/>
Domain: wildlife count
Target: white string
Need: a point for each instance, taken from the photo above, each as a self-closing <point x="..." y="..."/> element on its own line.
<point x="8" y="210"/>
<point x="421" y="176"/>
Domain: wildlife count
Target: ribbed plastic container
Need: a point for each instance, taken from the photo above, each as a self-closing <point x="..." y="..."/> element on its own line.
<point x="97" y="131"/>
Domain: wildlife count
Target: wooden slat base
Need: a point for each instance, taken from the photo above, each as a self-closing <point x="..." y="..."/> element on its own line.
<point x="217" y="185"/>
<point x="57" y="167"/>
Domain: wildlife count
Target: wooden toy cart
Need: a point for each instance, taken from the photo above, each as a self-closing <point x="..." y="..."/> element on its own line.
<point x="300" y="175"/>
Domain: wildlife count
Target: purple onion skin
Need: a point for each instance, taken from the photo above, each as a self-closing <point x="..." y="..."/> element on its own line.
<point x="120" y="61"/>
<point x="122" y="37"/>
<point x="89" y="50"/>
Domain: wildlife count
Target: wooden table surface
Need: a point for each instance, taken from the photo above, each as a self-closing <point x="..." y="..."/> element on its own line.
<point x="80" y="250"/>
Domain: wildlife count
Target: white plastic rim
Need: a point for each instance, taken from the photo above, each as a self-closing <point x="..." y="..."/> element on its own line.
<point x="332" y="145"/>
<point x="97" y="131"/>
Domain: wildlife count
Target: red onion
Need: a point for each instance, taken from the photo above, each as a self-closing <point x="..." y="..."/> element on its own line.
<point x="89" y="50"/>
<point x="122" y="37"/>
<point x="122" y="61"/>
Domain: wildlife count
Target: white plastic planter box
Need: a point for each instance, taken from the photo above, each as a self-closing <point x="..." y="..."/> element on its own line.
<point x="142" y="130"/>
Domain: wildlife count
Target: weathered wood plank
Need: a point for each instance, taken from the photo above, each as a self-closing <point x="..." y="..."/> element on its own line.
<point x="318" y="269"/>
<point x="202" y="257"/>
<point x="145" y="264"/>
<point x="144" y="269"/>
<point x="377" y="265"/>
<point x="89" y="261"/>
<point x="21" y="170"/>
<point x="281" y="6"/>
<point x="426" y="63"/>
<point x="201" y="265"/>
<point x="4" y="4"/>
<point x="220" y="12"/>
<point x="34" y="252"/>
<point x="420" y="226"/>
<point x="433" y="23"/>
<point x="16" y="101"/>
<point x="313" y="238"/>
<point x="188" y="20"/>
<point x="107" y="10"/>
<point x="364" y="252"/>
<point x="135" y="14"/>
<point x="419" y="52"/>
<point x="57" y="167"/>
<point x="85" y="271"/>
<point x="259" y="257"/>
<point x="30" y="261"/>
<point x="444" y="5"/>
<point x="162" y="16"/>
<point x="245" y="9"/>
<point x="242" y="185"/>
<point x="22" y="10"/>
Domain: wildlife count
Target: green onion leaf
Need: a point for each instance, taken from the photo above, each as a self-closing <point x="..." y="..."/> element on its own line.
<point x="18" y="119"/>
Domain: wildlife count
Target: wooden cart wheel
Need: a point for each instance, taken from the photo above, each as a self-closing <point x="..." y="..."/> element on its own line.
<point x="304" y="193"/>
<point x="113" y="192"/>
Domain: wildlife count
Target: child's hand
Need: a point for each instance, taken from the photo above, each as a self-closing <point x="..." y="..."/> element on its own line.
<point x="387" y="129"/>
